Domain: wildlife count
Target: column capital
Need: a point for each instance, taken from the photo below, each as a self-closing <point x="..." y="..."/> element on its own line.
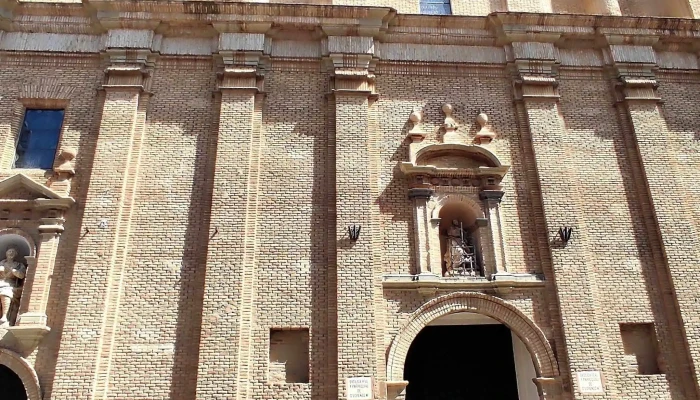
<point x="51" y="226"/>
<point x="128" y="69"/>
<point x="491" y="196"/>
<point x="351" y="61"/>
<point x="536" y="68"/>
<point x="131" y="55"/>
<point x="634" y="66"/>
<point x="420" y="193"/>
<point x="242" y="60"/>
<point x="548" y="388"/>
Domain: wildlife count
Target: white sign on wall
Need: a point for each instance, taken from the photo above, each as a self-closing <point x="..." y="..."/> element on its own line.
<point x="590" y="382"/>
<point x="359" y="389"/>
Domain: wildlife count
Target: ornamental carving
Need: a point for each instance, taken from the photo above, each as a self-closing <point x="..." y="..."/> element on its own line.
<point x="458" y="227"/>
<point x="452" y="161"/>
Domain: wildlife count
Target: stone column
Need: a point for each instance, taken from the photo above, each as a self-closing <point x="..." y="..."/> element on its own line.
<point x="436" y="253"/>
<point x="492" y="200"/>
<point x="35" y="294"/>
<point x="360" y="343"/>
<point x="537" y="102"/>
<point x="421" y="220"/>
<point x="671" y="224"/>
<point x="96" y="293"/>
<point x="229" y="293"/>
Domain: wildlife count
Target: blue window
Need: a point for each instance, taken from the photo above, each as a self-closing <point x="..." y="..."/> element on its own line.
<point x="38" y="139"/>
<point x="435" y="7"/>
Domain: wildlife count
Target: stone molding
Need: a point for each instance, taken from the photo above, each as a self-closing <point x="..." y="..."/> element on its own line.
<point x="532" y="336"/>
<point x="25" y="372"/>
<point x="376" y="31"/>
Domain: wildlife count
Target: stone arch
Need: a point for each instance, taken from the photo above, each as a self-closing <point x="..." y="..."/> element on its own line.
<point x="26" y="373"/>
<point x="24" y="235"/>
<point x="507" y="314"/>
<point x="442" y="199"/>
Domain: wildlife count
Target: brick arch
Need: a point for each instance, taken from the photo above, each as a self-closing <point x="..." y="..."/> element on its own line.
<point x="507" y="314"/>
<point x="24" y="371"/>
<point x="442" y="199"/>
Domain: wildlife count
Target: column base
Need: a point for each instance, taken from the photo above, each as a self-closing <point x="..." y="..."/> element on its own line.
<point x="23" y="340"/>
<point x="32" y="318"/>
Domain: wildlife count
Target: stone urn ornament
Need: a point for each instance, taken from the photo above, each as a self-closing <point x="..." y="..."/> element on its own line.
<point x="484" y="135"/>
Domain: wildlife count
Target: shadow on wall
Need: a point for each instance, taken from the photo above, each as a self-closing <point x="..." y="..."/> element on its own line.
<point x="183" y="384"/>
<point x="62" y="279"/>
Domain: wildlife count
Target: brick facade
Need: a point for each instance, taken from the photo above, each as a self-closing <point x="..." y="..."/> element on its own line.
<point x="222" y="150"/>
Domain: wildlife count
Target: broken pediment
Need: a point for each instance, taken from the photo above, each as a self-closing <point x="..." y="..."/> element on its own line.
<point x="20" y="188"/>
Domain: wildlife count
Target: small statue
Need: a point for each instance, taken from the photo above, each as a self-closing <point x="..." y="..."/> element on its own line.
<point x="10" y="272"/>
<point x="458" y="255"/>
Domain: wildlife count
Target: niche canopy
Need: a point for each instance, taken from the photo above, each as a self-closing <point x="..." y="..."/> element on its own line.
<point x="454" y="161"/>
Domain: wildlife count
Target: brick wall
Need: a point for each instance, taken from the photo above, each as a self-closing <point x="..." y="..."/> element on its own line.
<point x="227" y="209"/>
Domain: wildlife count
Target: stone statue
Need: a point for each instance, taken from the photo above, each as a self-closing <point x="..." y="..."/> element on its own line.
<point x="458" y="255"/>
<point x="10" y="272"/>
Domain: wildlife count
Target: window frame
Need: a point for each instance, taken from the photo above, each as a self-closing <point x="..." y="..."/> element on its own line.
<point x="427" y="3"/>
<point x="38" y="107"/>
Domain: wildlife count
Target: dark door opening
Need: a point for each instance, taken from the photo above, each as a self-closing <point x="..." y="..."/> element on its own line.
<point x="11" y="386"/>
<point x="472" y="362"/>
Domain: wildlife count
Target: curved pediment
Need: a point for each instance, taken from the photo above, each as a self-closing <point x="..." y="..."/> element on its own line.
<point x="455" y="160"/>
<point x="455" y="155"/>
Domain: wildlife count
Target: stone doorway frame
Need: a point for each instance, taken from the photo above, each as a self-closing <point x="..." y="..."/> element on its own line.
<point x="24" y="371"/>
<point x="546" y="366"/>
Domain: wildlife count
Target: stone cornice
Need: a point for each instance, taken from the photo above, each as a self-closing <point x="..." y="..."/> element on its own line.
<point x="193" y="28"/>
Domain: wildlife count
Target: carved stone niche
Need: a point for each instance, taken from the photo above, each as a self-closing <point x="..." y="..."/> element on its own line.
<point x="455" y="182"/>
<point x="31" y="221"/>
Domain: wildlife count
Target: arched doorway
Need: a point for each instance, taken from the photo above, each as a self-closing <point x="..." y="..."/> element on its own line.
<point x="534" y="341"/>
<point x="469" y="356"/>
<point x="11" y="384"/>
<point x="18" y="377"/>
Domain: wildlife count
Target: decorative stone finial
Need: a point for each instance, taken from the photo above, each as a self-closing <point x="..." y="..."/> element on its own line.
<point x="450" y="125"/>
<point x="484" y="135"/>
<point x="416" y="133"/>
<point x="449" y="121"/>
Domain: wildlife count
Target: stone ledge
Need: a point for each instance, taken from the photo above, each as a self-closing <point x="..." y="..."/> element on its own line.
<point x="23" y="340"/>
<point x="395" y="389"/>
<point x="428" y="282"/>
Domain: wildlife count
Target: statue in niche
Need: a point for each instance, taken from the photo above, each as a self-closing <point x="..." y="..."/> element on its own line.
<point x="459" y="257"/>
<point x="11" y="271"/>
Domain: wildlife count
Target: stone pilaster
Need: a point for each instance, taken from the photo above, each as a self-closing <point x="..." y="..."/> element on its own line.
<point x="358" y="263"/>
<point x="96" y="294"/>
<point x="36" y="295"/>
<point x="537" y="100"/>
<point x="492" y="201"/>
<point x="421" y="228"/>
<point x="229" y="294"/>
<point x="662" y="197"/>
